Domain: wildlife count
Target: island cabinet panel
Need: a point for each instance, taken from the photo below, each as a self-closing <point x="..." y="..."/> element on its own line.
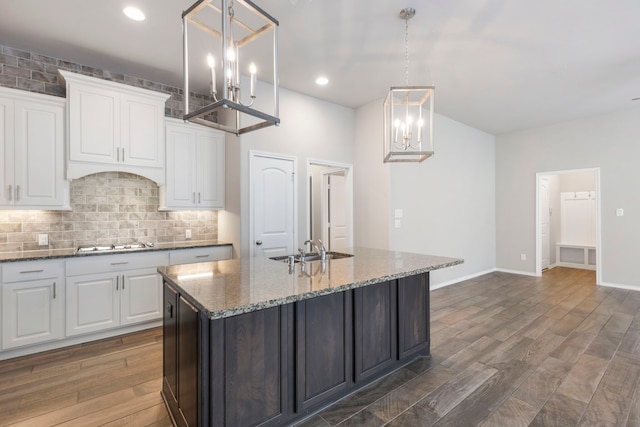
<point x="188" y="344"/>
<point x="375" y="329"/>
<point x="170" y="345"/>
<point x="413" y="316"/>
<point x="185" y="347"/>
<point x="252" y="382"/>
<point x="324" y="349"/>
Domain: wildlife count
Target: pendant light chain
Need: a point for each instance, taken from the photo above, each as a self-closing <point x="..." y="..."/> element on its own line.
<point x="406" y="51"/>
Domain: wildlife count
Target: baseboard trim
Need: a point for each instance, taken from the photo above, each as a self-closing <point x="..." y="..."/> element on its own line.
<point x="461" y="279"/>
<point x="520" y="272"/>
<point x="620" y="286"/>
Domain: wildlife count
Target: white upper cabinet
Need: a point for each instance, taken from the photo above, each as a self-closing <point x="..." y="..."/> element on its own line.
<point x="195" y="167"/>
<point x="114" y="127"/>
<point x="32" y="151"/>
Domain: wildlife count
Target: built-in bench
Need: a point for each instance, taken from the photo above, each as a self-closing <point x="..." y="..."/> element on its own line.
<point x="576" y="256"/>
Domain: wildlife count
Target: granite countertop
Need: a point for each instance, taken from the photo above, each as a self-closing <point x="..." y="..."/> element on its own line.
<point x="68" y="253"/>
<point x="230" y="287"/>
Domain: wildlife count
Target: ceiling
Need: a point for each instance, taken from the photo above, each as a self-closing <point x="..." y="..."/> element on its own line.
<point x="498" y="65"/>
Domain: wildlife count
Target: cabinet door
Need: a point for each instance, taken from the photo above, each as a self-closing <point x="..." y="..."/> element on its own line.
<point x="376" y="338"/>
<point x="142" y="131"/>
<point x="181" y="166"/>
<point x="141" y="296"/>
<point x="170" y="344"/>
<point x="6" y="152"/>
<point x="188" y="371"/>
<point x="257" y="367"/>
<point x="324" y="349"/>
<point x="210" y="169"/>
<point x="92" y="303"/>
<point x="39" y="158"/>
<point x="31" y="312"/>
<point x="94" y="124"/>
<point x="413" y="316"/>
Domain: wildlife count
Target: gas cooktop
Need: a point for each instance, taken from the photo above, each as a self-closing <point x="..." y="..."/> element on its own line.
<point x="112" y="248"/>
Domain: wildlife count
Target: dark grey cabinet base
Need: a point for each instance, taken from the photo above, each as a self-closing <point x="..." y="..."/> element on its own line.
<point x="278" y="365"/>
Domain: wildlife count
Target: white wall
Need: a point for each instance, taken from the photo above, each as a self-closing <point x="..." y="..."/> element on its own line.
<point x="310" y="128"/>
<point x="370" y="181"/>
<point x="448" y="201"/>
<point x="609" y="142"/>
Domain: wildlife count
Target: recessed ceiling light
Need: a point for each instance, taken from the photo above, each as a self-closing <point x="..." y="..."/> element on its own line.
<point x="321" y="81"/>
<point x="134" y="13"/>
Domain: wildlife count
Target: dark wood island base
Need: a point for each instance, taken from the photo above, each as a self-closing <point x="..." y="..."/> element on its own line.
<point x="279" y="365"/>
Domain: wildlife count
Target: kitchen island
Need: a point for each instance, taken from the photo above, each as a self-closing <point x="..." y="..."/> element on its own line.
<point x="251" y="342"/>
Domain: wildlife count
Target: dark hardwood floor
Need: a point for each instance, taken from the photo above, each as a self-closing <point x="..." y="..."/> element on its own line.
<point x="507" y="350"/>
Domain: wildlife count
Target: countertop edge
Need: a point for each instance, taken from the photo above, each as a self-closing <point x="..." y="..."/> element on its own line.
<point x="248" y="308"/>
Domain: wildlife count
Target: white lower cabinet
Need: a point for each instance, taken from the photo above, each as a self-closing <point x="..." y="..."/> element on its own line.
<point x="203" y="254"/>
<point x="32" y="303"/>
<point x="122" y="293"/>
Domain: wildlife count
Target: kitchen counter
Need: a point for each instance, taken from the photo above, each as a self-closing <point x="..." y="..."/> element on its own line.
<point x="227" y="288"/>
<point x="251" y="342"/>
<point x="72" y="253"/>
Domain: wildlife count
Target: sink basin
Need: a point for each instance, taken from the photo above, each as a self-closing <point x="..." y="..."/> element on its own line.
<point x="313" y="256"/>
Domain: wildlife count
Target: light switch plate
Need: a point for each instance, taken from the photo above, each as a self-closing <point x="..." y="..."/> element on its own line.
<point x="398" y="213"/>
<point x="398" y="223"/>
<point x="187" y="234"/>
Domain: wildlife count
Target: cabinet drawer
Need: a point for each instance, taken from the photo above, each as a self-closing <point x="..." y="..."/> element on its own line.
<point x="188" y="256"/>
<point x="31" y="270"/>
<point x="116" y="262"/>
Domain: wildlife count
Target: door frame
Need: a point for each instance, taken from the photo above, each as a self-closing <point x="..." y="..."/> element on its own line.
<point x="324" y="197"/>
<point x="348" y="168"/>
<point x="252" y="155"/>
<point x="596" y="173"/>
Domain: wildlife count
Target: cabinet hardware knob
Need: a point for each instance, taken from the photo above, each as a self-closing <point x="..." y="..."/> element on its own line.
<point x="11" y="193"/>
<point x="17" y="193"/>
<point x="31" y="271"/>
<point x="199" y="198"/>
<point x="120" y="263"/>
<point x="202" y="256"/>
<point x="123" y="282"/>
<point x="117" y="283"/>
<point x="118" y="155"/>
<point x="122" y="154"/>
<point x="54" y="290"/>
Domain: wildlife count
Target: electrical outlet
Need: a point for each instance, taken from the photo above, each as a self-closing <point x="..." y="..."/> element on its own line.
<point x="43" y="239"/>
<point x="187" y="234"/>
<point x="619" y="212"/>
<point x="523" y="257"/>
<point x="398" y="223"/>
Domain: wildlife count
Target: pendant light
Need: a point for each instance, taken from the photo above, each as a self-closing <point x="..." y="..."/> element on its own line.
<point x="236" y="27"/>
<point x="408" y="115"/>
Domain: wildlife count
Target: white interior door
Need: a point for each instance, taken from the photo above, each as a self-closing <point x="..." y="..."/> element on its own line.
<point x="272" y="202"/>
<point x="545" y="221"/>
<point x="337" y="209"/>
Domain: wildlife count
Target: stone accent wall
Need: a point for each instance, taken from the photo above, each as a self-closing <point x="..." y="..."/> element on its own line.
<point x="33" y="72"/>
<point x="107" y="208"/>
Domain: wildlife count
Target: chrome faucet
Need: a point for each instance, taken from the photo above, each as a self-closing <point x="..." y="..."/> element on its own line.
<point x="319" y="249"/>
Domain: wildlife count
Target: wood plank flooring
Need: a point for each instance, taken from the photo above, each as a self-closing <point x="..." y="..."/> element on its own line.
<point x="508" y="350"/>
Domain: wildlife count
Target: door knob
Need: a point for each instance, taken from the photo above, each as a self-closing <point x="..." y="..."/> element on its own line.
<point x="258" y="242"/>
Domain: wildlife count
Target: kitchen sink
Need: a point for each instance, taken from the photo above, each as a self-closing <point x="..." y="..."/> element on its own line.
<point x="313" y="256"/>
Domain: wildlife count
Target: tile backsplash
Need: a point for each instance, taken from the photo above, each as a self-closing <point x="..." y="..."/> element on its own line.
<point x="109" y="207"/>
